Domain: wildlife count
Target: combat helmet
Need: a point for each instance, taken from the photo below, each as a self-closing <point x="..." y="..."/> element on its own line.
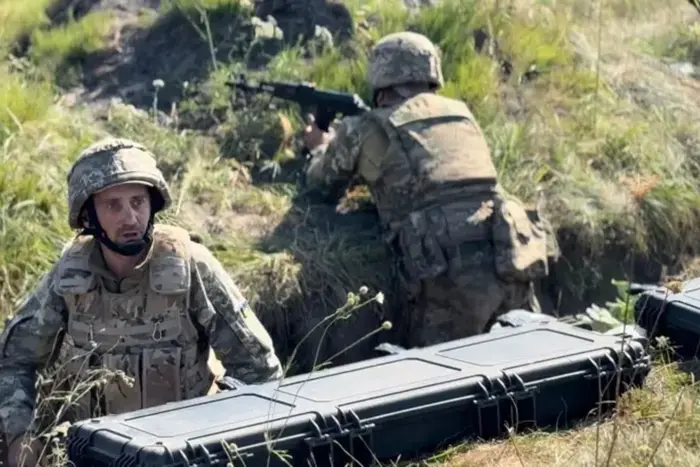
<point x="404" y="58"/>
<point x="107" y="163"/>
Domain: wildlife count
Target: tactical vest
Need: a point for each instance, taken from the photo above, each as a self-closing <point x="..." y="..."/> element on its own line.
<point x="437" y="190"/>
<point x="147" y="333"/>
<point x="436" y="153"/>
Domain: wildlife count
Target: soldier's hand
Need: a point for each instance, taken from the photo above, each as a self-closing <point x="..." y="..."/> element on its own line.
<point x="19" y="455"/>
<point x="314" y="136"/>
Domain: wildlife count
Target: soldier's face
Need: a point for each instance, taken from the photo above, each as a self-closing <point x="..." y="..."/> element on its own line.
<point x="123" y="211"/>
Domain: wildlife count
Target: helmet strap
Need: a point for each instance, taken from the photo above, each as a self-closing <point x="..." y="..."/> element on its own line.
<point x="129" y="249"/>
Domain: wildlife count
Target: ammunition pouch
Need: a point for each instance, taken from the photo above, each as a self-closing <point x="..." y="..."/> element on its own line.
<point x="419" y="248"/>
<point x="521" y="248"/>
<point x="431" y="241"/>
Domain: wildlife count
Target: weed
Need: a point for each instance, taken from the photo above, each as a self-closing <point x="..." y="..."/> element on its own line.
<point x="580" y="113"/>
<point x="18" y="18"/>
<point x="71" y="41"/>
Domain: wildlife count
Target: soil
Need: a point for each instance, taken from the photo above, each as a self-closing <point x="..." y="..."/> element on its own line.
<point x="171" y="49"/>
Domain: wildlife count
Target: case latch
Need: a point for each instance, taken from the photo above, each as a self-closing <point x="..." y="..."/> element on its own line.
<point x="356" y="427"/>
<point x="487" y="400"/>
<point x="360" y="434"/>
<point x="320" y="445"/>
<point x="231" y="450"/>
<point x="516" y="391"/>
<point x="319" y="438"/>
<point x="345" y="429"/>
<point x="600" y="369"/>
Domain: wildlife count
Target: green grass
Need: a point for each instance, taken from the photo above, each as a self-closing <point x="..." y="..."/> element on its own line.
<point x="612" y="169"/>
<point x="18" y="18"/>
<point x="610" y="166"/>
<point x="73" y="40"/>
<point x="23" y="101"/>
<point x="595" y="124"/>
<point x="36" y="140"/>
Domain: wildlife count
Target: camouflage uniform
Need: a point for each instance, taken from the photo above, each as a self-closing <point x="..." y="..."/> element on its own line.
<point x="156" y="325"/>
<point x="467" y="251"/>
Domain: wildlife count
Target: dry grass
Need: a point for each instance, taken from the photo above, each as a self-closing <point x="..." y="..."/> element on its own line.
<point x="656" y="425"/>
<point x="591" y="118"/>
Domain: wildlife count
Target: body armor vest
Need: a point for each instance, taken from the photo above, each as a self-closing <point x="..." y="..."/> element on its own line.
<point x="147" y="332"/>
<point x="436" y="153"/>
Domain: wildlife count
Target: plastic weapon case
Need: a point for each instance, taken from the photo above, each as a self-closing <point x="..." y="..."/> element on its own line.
<point x="404" y="405"/>
<point x="675" y="315"/>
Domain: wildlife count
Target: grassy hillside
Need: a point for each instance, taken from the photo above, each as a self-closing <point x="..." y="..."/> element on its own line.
<point x="586" y="105"/>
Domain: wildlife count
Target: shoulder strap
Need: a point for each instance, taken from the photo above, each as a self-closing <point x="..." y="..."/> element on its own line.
<point x="428" y="106"/>
<point x="169" y="269"/>
<point x="74" y="275"/>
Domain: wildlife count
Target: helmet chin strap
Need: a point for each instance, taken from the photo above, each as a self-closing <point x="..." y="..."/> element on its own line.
<point x="126" y="249"/>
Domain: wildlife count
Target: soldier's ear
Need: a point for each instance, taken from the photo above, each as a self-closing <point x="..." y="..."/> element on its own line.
<point x="83" y="219"/>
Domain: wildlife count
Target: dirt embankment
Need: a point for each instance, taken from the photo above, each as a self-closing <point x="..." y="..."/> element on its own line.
<point x="145" y="45"/>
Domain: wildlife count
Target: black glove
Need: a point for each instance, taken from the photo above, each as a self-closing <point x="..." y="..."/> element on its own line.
<point x="636" y="289"/>
<point x="228" y="383"/>
<point x="387" y="348"/>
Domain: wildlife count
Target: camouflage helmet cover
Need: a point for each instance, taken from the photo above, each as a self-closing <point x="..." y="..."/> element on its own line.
<point x="110" y="162"/>
<point x="404" y="58"/>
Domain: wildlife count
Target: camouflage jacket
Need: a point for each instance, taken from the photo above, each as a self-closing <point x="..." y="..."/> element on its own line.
<point x="421" y="152"/>
<point x="143" y="316"/>
<point x="428" y="166"/>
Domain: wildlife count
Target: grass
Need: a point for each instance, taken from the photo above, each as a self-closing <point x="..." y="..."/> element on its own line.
<point x="656" y="425"/>
<point x="18" y="18"/>
<point x="72" y="40"/>
<point x="575" y="98"/>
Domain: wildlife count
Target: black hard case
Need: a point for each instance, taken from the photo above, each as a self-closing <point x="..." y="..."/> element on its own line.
<point x="403" y="405"/>
<point x="661" y="312"/>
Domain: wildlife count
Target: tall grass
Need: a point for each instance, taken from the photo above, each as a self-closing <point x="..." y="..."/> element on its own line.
<point x="580" y="111"/>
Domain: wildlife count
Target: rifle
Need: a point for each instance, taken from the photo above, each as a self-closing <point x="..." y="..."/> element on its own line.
<point x="327" y="103"/>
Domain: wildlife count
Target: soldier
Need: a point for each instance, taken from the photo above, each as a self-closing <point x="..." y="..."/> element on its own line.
<point x="130" y="296"/>
<point x="466" y="250"/>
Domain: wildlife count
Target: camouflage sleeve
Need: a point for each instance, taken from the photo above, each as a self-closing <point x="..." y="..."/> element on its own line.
<point x="239" y="340"/>
<point x="332" y="166"/>
<point x="26" y="344"/>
